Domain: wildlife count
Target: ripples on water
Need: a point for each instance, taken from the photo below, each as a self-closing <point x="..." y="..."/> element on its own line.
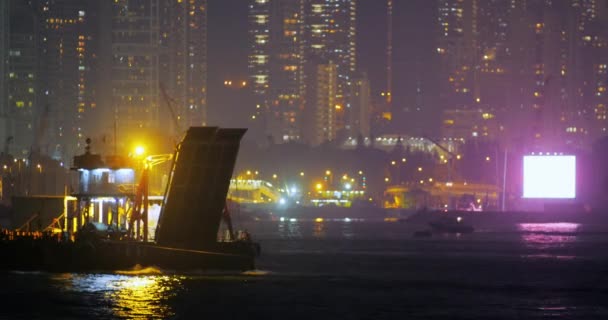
<point x="123" y="296"/>
<point x="325" y="269"/>
<point x="548" y="235"/>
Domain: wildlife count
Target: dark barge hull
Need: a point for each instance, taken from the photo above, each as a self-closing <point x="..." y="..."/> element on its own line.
<point x="111" y="256"/>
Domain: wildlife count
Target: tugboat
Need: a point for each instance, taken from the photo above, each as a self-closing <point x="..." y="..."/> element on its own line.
<point x="97" y="234"/>
<point x="451" y="225"/>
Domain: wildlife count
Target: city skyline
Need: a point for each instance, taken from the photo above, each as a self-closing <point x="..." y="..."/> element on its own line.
<point x="515" y="71"/>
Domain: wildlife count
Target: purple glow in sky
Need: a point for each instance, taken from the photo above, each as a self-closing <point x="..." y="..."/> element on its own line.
<point x="551" y="177"/>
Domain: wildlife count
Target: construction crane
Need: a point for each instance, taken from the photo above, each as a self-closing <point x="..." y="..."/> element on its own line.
<point x="450" y="160"/>
<point x="168" y="102"/>
<point x="450" y="154"/>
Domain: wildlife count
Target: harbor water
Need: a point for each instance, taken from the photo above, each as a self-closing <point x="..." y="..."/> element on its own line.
<point x="350" y="269"/>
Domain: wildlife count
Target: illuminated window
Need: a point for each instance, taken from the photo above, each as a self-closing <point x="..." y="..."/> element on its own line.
<point x="261" y="19"/>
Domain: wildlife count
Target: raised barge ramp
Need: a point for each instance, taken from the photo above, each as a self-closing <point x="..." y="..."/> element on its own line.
<point x="186" y="235"/>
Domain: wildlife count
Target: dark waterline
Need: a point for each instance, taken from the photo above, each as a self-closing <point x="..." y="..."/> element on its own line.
<point x="351" y="270"/>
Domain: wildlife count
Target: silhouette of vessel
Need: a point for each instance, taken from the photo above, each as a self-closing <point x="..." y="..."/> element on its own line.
<point x="187" y="231"/>
<point x="449" y="224"/>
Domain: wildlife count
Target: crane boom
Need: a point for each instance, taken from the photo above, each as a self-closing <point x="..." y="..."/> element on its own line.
<point x="438" y="145"/>
<point x="170" y="108"/>
<point x="451" y="156"/>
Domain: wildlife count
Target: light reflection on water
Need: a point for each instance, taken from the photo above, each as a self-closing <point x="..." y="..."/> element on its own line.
<point x="142" y="296"/>
<point x="289" y="230"/>
<point x="542" y="288"/>
<point x="548" y="235"/>
<point x="347" y="230"/>
<point x="318" y="230"/>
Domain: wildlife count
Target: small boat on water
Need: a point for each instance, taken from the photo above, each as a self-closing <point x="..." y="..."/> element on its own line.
<point x="451" y="225"/>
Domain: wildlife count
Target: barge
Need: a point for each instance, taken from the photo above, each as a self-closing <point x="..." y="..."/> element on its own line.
<point x="89" y="236"/>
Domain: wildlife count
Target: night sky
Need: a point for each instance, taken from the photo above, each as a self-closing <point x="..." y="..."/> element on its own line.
<point x="227" y="49"/>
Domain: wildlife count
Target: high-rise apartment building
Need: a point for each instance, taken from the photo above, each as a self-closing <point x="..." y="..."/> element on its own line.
<point x="135" y="66"/>
<point x="48" y="83"/>
<point x="259" y="54"/>
<point x="456" y="47"/>
<point x="492" y="54"/>
<point x="592" y="43"/>
<point x="331" y="36"/>
<point x="276" y="65"/>
<point x="360" y="109"/>
<point x="19" y="83"/>
<point x="285" y="36"/>
<point x="319" y="123"/>
<point x="527" y="64"/>
<point x="566" y="62"/>
<point x="157" y="66"/>
<point x="183" y="59"/>
<point x="286" y="76"/>
<point x="78" y="69"/>
<point x="68" y="43"/>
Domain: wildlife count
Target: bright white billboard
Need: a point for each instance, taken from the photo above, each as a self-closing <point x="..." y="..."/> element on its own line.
<point x="550" y="177"/>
